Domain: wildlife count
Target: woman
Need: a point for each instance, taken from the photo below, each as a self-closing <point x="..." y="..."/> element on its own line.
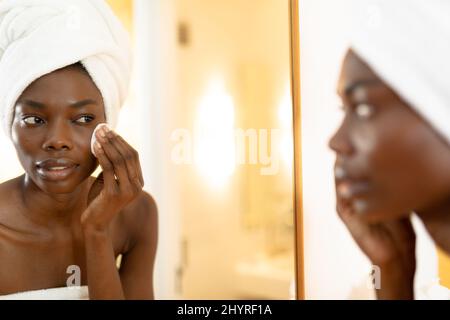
<point x="59" y="78"/>
<point x="392" y="148"/>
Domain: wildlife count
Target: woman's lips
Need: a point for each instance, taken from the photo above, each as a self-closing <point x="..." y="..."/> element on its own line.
<point x="56" y="169"/>
<point x="347" y="186"/>
<point x="56" y="174"/>
<point x="348" y="189"/>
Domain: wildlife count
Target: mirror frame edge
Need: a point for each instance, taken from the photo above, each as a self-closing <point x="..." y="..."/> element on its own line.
<point x="295" y="94"/>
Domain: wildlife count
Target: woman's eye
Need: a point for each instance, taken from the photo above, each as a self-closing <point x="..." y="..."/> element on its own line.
<point x="33" y="120"/>
<point x="364" y="110"/>
<point x="85" y="119"/>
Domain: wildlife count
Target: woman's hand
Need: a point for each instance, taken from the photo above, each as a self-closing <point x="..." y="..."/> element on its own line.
<point x="390" y="246"/>
<point x="119" y="183"/>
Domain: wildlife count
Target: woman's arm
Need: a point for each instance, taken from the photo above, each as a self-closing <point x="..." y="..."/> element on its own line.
<point x="389" y="246"/>
<point x="135" y="278"/>
<point x="397" y="282"/>
<point x="102" y="274"/>
<point x="118" y="189"/>
<point x="136" y="270"/>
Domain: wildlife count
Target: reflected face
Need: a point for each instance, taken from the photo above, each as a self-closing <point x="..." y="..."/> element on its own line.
<point x="389" y="161"/>
<point x="52" y="127"/>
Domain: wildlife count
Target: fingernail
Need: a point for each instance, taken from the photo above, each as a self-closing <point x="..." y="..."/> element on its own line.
<point x="106" y="128"/>
<point x="98" y="146"/>
<point x="102" y="132"/>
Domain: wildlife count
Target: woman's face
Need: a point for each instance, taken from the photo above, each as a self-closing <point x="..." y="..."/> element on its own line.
<point x="52" y="127"/>
<point x="389" y="161"/>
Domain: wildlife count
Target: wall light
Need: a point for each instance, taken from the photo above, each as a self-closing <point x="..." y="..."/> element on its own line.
<point x="214" y="134"/>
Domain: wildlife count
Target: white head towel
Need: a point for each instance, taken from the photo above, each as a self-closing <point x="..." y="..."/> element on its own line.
<point x="40" y="36"/>
<point x="407" y="43"/>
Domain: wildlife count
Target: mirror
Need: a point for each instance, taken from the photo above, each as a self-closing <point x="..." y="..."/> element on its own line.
<point x="235" y="110"/>
<point x="335" y="267"/>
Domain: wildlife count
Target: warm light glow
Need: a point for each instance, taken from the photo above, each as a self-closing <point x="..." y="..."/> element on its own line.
<point x="215" y="145"/>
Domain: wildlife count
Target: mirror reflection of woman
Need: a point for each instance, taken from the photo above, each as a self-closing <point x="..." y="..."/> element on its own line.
<point x="392" y="148"/>
<point x="60" y="82"/>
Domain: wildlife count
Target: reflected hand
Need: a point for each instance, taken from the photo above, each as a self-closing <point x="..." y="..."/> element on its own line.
<point x="389" y="245"/>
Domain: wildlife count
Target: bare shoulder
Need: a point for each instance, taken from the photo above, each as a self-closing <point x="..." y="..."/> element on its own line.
<point x="9" y="186"/>
<point x="142" y="209"/>
<point x="9" y="192"/>
<point x="141" y="218"/>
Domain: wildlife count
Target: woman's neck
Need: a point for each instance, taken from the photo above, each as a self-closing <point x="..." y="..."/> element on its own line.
<point x="49" y="208"/>
<point x="437" y="223"/>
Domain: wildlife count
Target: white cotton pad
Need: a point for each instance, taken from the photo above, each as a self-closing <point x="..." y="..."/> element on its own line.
<point x="93" y="138"/>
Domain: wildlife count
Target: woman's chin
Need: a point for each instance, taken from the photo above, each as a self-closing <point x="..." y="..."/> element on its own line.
<point x="374" y="214"/>
<point x="59" y="186"/>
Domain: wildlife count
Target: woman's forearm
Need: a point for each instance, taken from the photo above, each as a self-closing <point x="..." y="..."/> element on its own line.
<point x="396" y="284"/>
<point x="102" y="274"/>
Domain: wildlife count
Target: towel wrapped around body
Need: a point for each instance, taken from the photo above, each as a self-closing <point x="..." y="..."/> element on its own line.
<point x="62" y="293"/>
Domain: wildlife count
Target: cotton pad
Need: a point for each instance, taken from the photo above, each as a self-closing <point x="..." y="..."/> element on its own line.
<point x="94" y="138"/>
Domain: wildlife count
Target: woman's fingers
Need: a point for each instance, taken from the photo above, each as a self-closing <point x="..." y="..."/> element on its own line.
<point x="403" y="234"/>
<point x="125" y="163"/>
<point x="130" y="156"/>
<point x="106" y="165"/>
<point x="130" y="153"/>
<point x="115" y="158"/>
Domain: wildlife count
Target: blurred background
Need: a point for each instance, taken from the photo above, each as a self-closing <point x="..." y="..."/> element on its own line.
<point x="210" y="113"/>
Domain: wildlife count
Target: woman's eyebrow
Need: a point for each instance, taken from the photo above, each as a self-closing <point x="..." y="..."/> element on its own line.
<point x="82" y="103"/>
<point x="40" y="106"/>
<point x="33" y="104"/>
<point x="347" y="90"/>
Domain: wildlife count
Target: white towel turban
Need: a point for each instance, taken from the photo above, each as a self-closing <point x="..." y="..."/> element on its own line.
<point x="40" y="36"/>
<point x="407" y="43"/>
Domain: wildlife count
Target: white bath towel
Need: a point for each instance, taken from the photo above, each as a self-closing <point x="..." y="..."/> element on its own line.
<point x="41" y="36"/>
<point x="62" y="293"/>
<point x="407" y="43"/>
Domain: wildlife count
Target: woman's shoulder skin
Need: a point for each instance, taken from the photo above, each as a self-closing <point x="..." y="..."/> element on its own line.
<point x="133" y="233"/>
<point x="136" y="219"/>
<point x="139" y="218"/>
<point x="9" y="198"/>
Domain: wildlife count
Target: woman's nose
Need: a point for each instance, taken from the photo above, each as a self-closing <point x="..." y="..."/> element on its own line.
<point x="340" y="142"/>
<point x="58" y="138"/>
